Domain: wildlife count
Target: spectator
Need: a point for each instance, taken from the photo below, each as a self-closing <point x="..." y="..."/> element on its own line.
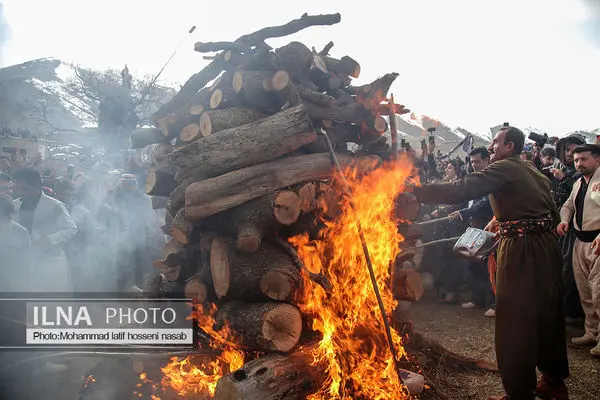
<point x="562" y="182"/>
<point x="478" y="213"/>
<point x="548" y="156"/>
<point x="14" y="247"/>
<point x="583" y="212"/>
<point x="50" y="227"/>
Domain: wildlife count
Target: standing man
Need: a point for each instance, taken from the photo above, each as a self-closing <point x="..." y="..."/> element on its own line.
<point x="583" y="211"/>
<point x="530" y="328"/>
<point x="478" y="213"/>
<point x="562" y="182"/>
<point x="50" y="226"/>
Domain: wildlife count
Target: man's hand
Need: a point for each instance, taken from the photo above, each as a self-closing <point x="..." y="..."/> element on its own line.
<point x="562" y="229"/>
<point x="596" y="246"/>
<point x="492" y="226"/>
<point x="454" y="215"/>
<point x="435" y="214"/>
<point x="558" y="174"/>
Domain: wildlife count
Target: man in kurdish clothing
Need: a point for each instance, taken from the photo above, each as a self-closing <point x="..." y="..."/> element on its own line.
<point x="50" y="226"/>
<point x="530" y="330"/>
<point x="582" y="209"/>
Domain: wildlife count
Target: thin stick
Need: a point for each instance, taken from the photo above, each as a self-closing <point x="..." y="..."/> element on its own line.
<point x="363" y="242"/>
<point x="393" y="128"/>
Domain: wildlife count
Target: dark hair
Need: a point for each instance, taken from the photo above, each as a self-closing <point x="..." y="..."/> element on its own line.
<point x="592" y="148"/>
<point x="28" y="175"/>
<point x="482" y="151"/>
<point x="7" y="209"/>
<point x="516" y="136"/>
<point x="5" y="177"/>
<point x="548" y="152"/>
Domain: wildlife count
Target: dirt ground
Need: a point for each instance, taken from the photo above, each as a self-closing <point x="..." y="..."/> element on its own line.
<point x="469" y="333"/>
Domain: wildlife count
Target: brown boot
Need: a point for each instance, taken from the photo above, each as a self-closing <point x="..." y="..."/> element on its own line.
<point x="550" y="391"/>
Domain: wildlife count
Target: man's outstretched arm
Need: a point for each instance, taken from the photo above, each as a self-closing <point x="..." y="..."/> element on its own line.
<point x="473" y="186"/>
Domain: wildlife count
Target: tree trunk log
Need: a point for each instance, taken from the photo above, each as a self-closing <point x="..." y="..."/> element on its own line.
<point x="257" y="218"/>
<point x="245" y="145"/>
<point x="143" y="137"/>
<point x="217" y="248"/>
<point x="196" y="289"/>
<point x="257" y="90"/>
<point x="181" y="228"/>
<point x="190" y="132"/>
<point x="219" y="120"/>
<point x="211" y="196"/>
<point x="160" y="182"/>
<point x="263" y="326"/>
<point x="294" y="58"/>
<point x="407" y="285"/>
<point x="267" y="274"/>
<point x="274" y="377"/>
<point x="345" y="66"/>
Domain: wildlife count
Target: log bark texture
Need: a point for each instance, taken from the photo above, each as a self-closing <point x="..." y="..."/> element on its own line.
<point x="218" y="120"/>
<point x="262" y="326"/>
<point x="143" y="137"/>
<point x="267" y="274"/>
<point x="245" y="145"/>
<point x="211" y="196"/>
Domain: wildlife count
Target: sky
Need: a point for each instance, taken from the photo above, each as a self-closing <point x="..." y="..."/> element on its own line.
<point x="468" y="63"/>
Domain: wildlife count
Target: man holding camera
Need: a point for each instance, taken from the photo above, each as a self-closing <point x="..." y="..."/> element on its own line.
<point x="530" y="330"/>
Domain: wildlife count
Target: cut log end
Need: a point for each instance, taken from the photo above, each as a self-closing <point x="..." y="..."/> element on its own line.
<point x="205" y="125"/>
<point x="282" y="326"/>
<point x="190" y="132"/>
<point x="307" y="194"/>
<point x="277" y="285"/>
<point x="216" y="98"/>
<point x="248" y="238"/>
<point x="219" y="266"/>
<point x="238" y="82"/>
<point x="379" y="124"/>
<point x="280" y="80"/>
<point x="286" y="207"/>
<point x="196" y="289"/>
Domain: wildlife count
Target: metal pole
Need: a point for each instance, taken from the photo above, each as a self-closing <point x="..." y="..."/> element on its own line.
<point x="363" y="241"/>
<point x="153" y="81"/>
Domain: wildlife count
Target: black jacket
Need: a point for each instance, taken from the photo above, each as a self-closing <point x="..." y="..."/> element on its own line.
<point x="479" y="214"/>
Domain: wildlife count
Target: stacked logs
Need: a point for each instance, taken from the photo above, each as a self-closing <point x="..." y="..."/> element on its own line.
<point x="239" y="165"/>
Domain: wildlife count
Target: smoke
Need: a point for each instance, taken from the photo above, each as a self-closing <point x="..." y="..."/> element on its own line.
<point x="4" y="32"/>
<point x="591" y="26"/>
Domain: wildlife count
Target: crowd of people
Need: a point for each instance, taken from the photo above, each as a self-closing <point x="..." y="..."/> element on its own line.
<point x="76" y="231"/>
<point x="543" y="204"/>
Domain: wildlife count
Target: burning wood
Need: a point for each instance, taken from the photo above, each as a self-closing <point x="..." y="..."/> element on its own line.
<point x="262" y="235"/>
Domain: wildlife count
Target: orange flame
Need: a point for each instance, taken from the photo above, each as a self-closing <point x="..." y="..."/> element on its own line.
<point x="354" y="346"/>
<point x="195" y="376"/>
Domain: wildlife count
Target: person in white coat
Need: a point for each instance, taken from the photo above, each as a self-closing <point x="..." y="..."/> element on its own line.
<point x="50" y="227"/>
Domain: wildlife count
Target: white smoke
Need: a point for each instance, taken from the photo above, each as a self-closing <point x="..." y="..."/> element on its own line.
<point x="591" y="26"/>
<point x="4" y="32"/>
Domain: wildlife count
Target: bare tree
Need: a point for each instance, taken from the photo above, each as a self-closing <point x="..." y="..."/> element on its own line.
<point x="93" y="87"/>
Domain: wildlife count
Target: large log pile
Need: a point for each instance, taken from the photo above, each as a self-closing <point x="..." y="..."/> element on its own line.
<point x="240" y="165"/>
